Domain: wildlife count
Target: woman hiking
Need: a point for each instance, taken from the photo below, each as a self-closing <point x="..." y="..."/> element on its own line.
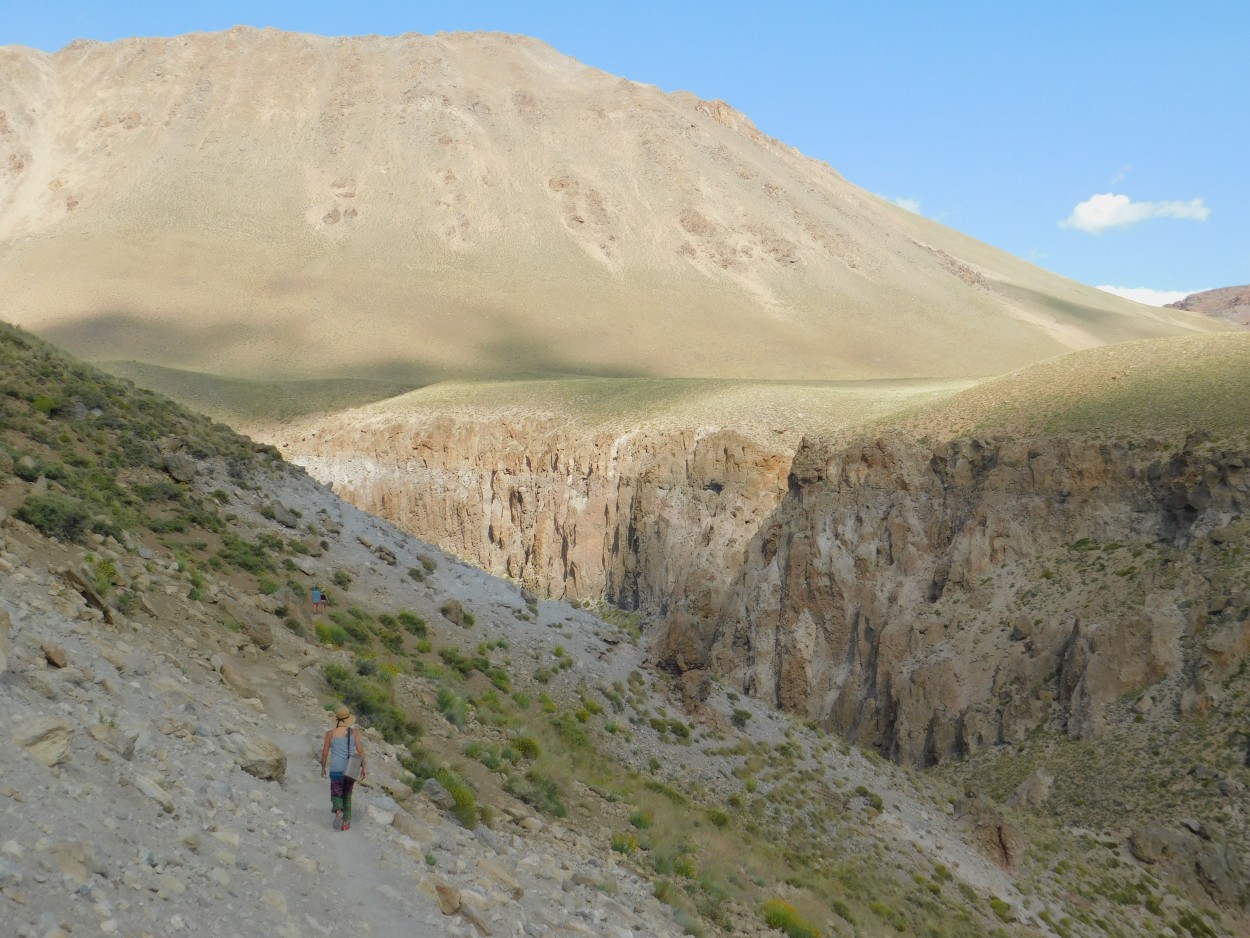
<point x="340" y="742"/>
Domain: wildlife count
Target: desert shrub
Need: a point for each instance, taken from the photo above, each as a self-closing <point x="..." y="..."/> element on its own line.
<point x="372" y="698"/>
<point x="641" y="819"/>
<point x="413" y="623"/>
<point x="784" y="917"/>
<point x="538" y="790"/>
<point x="527" y="747"/>
<point x="342" y="579"/>
<point x="55" y="515"/>
<point x="624" y="842"/>
<point x="740" y="717"/>
<point x="329" y="634"/>
<point x="416" y="573"/>
<point x="429" y="564"/>
<point x="250" y="556"/>
<point x="871" y="796"/>
<point x="465" y="802"/>
<point x="452" y="707"/>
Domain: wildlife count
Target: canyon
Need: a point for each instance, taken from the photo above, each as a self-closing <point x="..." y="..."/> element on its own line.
<point x="928" y="599"/>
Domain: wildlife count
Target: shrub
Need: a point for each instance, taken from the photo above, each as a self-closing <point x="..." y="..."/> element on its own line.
<point x="55" y="515"/>
<point x="783" y="916"/>
<point x="416" y="573"/>
<point x="641" y="819"/>
<point x="740" y="717"/>
<point x="624" y="842"/>
<point x="539" y="790"/>
<point x="527" y="747"/>
<point x="465" y="802"/>
<point x="342" y="579"/>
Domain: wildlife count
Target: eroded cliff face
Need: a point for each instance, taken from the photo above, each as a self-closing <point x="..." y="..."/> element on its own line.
<point x="933" y="603"/>
<point x="927" y="602"/>
<point x="645" y="519"/>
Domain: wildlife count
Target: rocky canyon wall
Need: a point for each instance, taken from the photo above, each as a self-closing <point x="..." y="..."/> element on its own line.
<point x="927" y="602"/>
<point x="646" y="519"/>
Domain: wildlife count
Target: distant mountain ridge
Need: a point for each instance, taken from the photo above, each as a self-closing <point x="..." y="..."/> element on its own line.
<point x="258" y="203"/>
<point x="1231" y="303"/>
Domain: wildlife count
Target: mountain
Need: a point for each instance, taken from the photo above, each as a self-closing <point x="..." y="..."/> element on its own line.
<point x="258" y="204"/>
<point x="1231" y="303"/>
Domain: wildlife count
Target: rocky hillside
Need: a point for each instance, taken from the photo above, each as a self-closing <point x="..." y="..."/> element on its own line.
<point x="1231" y="303"/>
<point x="267" y="205"/>
<point x="164" y="684"/>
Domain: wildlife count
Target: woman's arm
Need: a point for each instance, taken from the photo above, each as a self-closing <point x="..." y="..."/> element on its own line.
<point x="360" y="749"/>
<point x="325" y="753"/>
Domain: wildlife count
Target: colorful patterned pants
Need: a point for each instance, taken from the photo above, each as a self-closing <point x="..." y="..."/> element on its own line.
<point x="341" y="795"/>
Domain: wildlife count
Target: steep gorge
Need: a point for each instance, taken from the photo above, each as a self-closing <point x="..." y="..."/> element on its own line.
<point x="929" y="601"/>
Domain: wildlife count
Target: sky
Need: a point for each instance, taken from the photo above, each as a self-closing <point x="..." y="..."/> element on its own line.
<point x="1105" y="140"/>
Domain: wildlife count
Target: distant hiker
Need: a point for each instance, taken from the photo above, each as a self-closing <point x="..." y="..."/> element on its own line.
<point x="325" y="599"/>
<point x="339" y="744"/>
<point x="316" y="597"/>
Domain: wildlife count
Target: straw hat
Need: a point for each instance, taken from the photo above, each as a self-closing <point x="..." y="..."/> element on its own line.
<point x="343" y="716"/>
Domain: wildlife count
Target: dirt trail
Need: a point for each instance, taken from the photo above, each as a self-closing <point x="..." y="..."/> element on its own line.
<point x="366" y="879"/>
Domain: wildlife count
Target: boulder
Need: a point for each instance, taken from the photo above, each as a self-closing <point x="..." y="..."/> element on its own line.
<point x="256" y="755"/>
<point x="181" y="467"/>
<point x="284" y="515"/>
<point x="54" y="654"/>
<point x="121" y="743"/>
<point x="233" y="675"/>
<point x="45" y="738"/>
<point x="255" y="623"/>
<point x="441" y="797"/>
<point x="448" y="898"/>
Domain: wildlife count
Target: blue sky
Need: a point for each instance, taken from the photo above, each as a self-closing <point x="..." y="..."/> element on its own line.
<point x="1107" y="141"/>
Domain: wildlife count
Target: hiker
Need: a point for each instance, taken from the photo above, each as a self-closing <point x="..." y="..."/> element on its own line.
<point x="316" y="598"/>
<point x="339" y="744"/>
<point x="325" y="600"/>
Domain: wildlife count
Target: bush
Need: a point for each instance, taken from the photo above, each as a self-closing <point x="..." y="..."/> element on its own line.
<point x="783" y="916"/>
<point x="56" y="516"/>
<point x="640" y="819"/>
<point x="342" y="579"/>
<point x="539" y="790"/>
<point x="624" y="842"/>
<point x="527" y="747"/>
<point x="465" y="807"/>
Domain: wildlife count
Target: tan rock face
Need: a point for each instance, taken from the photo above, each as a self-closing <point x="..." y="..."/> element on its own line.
<point x="886" y="595"/>
<point x="635" y="517"/>
<point x="46" y="738"/>
<point x="926" y="602"/>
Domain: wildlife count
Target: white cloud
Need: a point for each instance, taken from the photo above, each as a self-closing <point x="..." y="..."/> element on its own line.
<point x="1108" y="210"/>
<point x="912" y="205"/>
<point x="1148" y="296"/>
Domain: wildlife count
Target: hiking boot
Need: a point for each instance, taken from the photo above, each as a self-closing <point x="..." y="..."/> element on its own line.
<point x="346" y="826"/>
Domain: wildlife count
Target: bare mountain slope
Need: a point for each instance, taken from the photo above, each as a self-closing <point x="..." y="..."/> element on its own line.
<point x="1231" y="303"/>
<point x="257" y="202"/>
